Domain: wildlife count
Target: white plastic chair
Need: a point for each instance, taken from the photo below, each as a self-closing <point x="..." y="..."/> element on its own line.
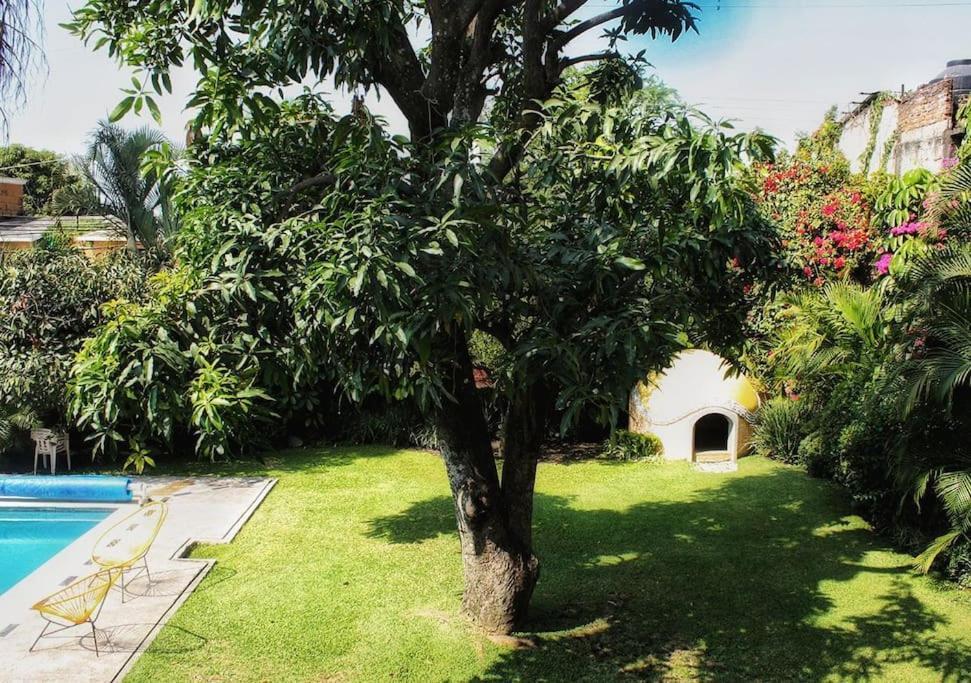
<point x="47" y="444"/>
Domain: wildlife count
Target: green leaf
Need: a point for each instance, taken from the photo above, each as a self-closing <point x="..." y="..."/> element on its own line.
<point x="630" y="263"/>
<point x="123" y="108"/>
<point x="153" y="108"/>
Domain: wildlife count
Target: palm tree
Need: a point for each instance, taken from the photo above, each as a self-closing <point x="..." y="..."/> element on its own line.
<point x="113" y="164"/>
<point x="840" y="330"/>
<point x="21" y="25"/>
<point x="941" y="374"/>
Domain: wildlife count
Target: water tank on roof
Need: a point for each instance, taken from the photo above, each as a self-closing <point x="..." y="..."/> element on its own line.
<point x="959" y="71"/>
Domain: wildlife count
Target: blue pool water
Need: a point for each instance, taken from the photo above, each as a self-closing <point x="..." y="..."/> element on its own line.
<point x="31" y="536"/>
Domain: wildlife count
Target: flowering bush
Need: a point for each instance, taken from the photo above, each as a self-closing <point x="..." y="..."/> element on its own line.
<point x="904" y="214"/>
<point x="824" y="218"/>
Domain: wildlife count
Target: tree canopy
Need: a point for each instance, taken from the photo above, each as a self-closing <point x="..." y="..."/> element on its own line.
<point x="589" y="228"/>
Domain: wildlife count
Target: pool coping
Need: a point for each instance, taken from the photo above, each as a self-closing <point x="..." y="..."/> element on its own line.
<point x="45" y="578"/>
<point x="206" y="564"/>
<point x="23" y="587"/>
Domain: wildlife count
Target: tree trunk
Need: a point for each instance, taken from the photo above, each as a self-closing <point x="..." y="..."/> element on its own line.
<point x="523" y="430"/>
<point x="500" y="570"/>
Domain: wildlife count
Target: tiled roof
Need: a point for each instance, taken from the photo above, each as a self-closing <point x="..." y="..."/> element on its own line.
<point x="31" y="228"/>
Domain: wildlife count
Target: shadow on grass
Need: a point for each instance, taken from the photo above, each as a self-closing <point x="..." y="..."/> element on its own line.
<point x="309" y="459"/>
<point x="727" y="585"/>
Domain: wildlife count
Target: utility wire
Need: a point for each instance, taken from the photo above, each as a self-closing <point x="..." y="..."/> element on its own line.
<point x="34" y="163"/>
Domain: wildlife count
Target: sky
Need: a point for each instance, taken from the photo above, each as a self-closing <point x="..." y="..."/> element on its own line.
<point x="774" y="64"/>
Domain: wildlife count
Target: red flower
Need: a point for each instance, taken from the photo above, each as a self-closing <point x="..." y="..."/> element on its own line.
<point x="807" y="271"/>
<point x="839" y="262"/>
<point x="829" y="209"/>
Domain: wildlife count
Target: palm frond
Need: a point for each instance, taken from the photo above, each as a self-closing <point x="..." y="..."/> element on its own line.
<point x="954" y="490"/>
<point x="925" y="560"/>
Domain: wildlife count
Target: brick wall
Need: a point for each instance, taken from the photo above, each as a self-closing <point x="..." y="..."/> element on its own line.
<point x="925" y="106"/>
<point x="11" y="197"/>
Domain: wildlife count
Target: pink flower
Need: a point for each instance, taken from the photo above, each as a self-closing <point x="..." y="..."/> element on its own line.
<point x="882" y="264"/>
<point x="911" y="228"/>
<point x="829" y="209"/>
<point x="807" y="271"/>
<point x="949" y="162"/>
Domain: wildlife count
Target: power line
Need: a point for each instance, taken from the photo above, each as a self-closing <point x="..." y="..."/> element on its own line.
<point x="33" y="163"/>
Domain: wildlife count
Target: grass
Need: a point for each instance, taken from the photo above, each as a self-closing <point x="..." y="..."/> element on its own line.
<point x="350" y="572"/>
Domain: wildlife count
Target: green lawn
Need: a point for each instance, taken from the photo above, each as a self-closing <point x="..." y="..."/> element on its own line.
<point x="350" y="572"/>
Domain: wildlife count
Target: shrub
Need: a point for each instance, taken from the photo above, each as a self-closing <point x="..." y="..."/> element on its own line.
<point x="208" y="358"/>
<point x="779" y="430"/>
<point x="958" y="563"/>
<point x="812" y="453"/>
<point x="51" y="299"/>
<point x="628" y="446"/>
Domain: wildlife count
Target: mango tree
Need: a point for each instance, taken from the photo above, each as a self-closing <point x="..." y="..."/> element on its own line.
<point x="588" y="228"/>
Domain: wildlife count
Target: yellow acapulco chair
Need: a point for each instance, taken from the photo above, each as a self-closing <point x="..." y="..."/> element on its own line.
<point x="76" y="604"/>
<point x="126" y="544"/>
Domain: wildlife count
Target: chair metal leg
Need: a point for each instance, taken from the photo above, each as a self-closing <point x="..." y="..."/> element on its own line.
<point x="94" y="634"/>
<point x="147" y="573"/>
<point x="42" y="634"/>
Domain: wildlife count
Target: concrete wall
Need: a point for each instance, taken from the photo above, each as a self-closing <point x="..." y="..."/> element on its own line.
<point x="856" y="136"/>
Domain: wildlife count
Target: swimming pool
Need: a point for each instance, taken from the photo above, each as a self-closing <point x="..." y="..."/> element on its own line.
<point x="29" y="536"/>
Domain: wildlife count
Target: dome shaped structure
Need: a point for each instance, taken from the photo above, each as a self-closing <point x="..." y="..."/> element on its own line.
<point x="698" y="409"/>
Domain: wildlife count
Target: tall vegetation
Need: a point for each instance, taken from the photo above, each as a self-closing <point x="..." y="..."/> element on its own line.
<point x="46" y="173"/>
<point x="50" y="301"/>
<point x="128" y="187"/>
<point x="20" y="29"/>
<point x="880" y="368"/>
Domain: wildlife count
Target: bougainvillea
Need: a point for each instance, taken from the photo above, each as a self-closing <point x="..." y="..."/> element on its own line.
<point x="824" y="217"/>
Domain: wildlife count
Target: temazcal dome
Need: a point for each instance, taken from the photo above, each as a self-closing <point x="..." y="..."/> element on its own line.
<point x="698" y="408"/>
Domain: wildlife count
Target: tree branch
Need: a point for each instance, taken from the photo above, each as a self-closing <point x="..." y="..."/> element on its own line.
<point x="323" y="178"/>
<point x="592" y="57"/>
<point x="562" y="12"/>
<point x="593" y="22"/>
<point x="470" y="93"/>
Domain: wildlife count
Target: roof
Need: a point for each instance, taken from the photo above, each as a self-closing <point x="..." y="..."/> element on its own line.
<point x="15" y="181"/>
<point x="697" y="380"/>
<point x="31" y="228"/>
